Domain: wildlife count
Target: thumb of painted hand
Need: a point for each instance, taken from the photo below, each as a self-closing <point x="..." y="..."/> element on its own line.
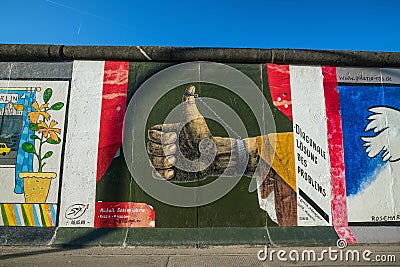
<point x="196" y="143"/>
<point x="190" y="111"/>
<point x="195" y="127"/>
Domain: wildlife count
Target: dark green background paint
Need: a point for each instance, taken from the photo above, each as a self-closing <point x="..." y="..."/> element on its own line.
<point x="238" y="208"/>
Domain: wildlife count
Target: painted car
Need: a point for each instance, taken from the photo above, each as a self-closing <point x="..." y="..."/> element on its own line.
<point x="4" y="150"/>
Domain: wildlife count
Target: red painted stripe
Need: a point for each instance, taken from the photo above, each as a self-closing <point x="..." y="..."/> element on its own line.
<point x="113" y="106"/>
<point x="336" y="154"/>
<point x="279" y="86"/>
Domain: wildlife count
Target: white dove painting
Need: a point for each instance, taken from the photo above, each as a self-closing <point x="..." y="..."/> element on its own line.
<point x="381" y="191"/>
<point x="370" y="116"/>
<point x="385" y="123"/>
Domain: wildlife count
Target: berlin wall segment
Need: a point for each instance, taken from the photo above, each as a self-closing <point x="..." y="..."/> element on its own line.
<point x="238" y="152"/>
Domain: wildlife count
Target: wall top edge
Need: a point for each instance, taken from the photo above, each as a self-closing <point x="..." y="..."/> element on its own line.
<point x="34" y="52"/>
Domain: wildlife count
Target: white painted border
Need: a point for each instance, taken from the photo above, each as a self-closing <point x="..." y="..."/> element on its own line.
<point x="309" y="112"/>
<point x="82" y="137"/>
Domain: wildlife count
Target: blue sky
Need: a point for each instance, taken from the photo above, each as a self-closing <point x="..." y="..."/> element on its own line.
<point x="339" y="25"/>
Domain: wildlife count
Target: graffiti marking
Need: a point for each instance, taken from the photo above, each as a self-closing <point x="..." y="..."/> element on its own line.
<point x="75" y="211"/>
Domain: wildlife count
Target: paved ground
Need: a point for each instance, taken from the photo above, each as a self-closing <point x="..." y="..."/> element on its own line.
<point x="211" y="256"/>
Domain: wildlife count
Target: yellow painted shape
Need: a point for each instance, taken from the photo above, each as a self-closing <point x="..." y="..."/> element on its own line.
<point x="4" y="149"/>
<point x="12" y="220"/>
<point x="19" y="107"/>
<point x="36" y="189"/>
<point x="277" y="149"/>
<point x="47" y="214"/>
<point x="29" y="214"/>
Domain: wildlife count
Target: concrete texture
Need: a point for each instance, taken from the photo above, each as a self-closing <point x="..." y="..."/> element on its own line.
<point x="34" y="236"/>
<point x="36" y="70"/>
<point x="381" y="234"/>
<point x="182" y="54"/>
<point x="194" y="237"/>
<point x="182" y="256"/>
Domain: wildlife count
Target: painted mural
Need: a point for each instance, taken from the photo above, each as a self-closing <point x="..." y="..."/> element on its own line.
<point x="339" y="154"/>
<point x="299" y="96"/>
<point x="278" y="181"/>
<point x="371" y="141"/>
<point x="31" y="137"/>
<point x="65" y="160"/>
<point x="347" y="120"/>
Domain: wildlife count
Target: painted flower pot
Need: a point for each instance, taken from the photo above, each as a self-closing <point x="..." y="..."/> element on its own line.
<point x="36" y="185"/>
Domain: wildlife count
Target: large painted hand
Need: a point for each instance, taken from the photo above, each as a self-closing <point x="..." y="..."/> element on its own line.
<point x="187" y="151"/>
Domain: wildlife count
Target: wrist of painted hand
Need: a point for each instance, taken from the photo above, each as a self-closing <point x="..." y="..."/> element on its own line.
<point x="234" y="157"/>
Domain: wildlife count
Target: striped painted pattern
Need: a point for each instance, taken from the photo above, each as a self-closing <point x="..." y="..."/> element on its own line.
<point x="42" y="215"/>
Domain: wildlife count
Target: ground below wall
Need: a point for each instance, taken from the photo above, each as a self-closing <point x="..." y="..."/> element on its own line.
<point x="200" y="237"/>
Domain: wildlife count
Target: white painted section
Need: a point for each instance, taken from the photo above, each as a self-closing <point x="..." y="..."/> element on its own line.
<point x="268" y="203"/>
<point x="313" y="170"/>
<point x="80" y="158"/>
<point x="7" y="183"/>
<point x="382" y="193"/>
<point x="368" y="75"/>
<point x="382" y="196"/>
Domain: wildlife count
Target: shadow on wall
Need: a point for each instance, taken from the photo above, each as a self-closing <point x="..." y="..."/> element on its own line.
<point x="74" y="239"/>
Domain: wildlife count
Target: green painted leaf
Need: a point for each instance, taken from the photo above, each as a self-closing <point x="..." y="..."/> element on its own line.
<point x="47" y="155"/>
<point x="28" y="147"/>
<point x="33" y="137"/>
<point x="33" y="126"/>
<point x="57" y="106"/>
<point x="51" y="141"/>
<point x="47" y="95"/>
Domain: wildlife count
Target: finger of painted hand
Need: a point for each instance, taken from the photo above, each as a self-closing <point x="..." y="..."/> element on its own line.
<point x="161" y="137"/>
<point x="167" y="127"/>
<point x="160" y="150"/>
<point x="163" y="174"/>
<point x="162" y="162"/>
<point x="190" y="110"/>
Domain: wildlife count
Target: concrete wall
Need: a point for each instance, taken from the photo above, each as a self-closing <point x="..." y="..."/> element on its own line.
<point x="321" y="163"/>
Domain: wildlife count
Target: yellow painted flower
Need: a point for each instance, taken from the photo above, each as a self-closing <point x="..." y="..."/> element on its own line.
<point x="34" y="115"/>
<point x="49" y="130"/>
